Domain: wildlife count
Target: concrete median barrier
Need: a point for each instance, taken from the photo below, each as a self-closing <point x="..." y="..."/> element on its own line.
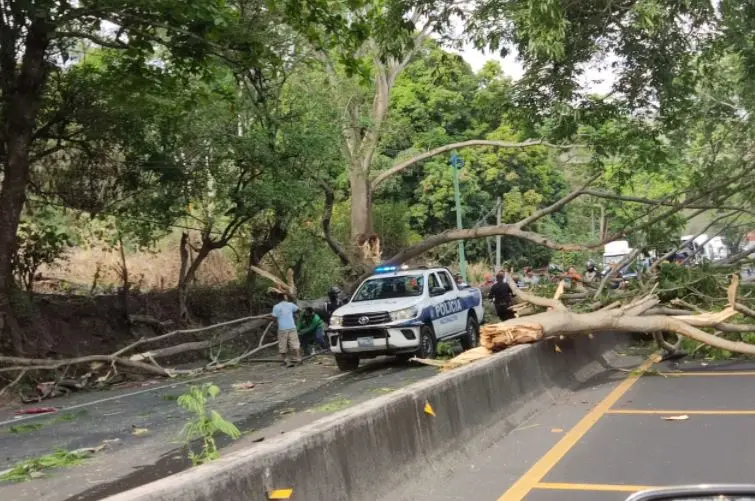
<point x="362" y="453"/>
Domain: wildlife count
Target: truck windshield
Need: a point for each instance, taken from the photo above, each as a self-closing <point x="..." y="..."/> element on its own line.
<point x="391" y="287"/>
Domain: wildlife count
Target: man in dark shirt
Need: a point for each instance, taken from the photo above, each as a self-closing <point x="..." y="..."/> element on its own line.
<point x="334" y="302"/>
<point x="502" y="297"/>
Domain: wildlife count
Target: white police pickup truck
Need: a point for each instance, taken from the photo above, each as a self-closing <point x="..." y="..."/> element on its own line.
<point x="404" y="312"/>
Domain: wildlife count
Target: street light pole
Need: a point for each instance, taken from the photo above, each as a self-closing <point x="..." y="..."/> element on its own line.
<point x="456" y="164"/>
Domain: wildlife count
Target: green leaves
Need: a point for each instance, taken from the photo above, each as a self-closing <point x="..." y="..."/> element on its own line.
<point x="204" y="424"/>
<point x="40" y="242"/>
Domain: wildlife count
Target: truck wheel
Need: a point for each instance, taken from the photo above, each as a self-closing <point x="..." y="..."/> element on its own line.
<point x="347" y="363"/>
<point x="471" y="338"/>
<point x="427" y="343"/>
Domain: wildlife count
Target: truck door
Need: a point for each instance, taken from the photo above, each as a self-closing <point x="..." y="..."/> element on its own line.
<point x="457" y="320"/>
<point x="437" y="297"/>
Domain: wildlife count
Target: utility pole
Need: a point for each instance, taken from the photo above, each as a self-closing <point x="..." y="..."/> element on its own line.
<point x="498" y="237"/>
<point x="456" y="164"/>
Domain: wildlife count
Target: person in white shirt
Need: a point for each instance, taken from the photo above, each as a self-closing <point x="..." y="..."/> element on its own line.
<point x="288" y="338"/>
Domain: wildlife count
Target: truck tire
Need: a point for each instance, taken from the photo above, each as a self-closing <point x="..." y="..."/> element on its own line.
<point x="471" y="337"/>
<point x="347" y="363"/>
<point x="427" y="343"/>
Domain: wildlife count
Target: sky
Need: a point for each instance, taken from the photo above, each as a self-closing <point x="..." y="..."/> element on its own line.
<point x="595" y="80"/>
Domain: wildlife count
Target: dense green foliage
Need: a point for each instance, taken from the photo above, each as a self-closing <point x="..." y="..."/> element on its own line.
<point x="240" y="123"/>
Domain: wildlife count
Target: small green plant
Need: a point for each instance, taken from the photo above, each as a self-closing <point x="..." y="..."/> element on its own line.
<point x="204" y="424"/>
<point x="26" y="428"/>
<point x="445" y="351"/>
<point x="31" y="468"/>
<point x="168" y="397"/>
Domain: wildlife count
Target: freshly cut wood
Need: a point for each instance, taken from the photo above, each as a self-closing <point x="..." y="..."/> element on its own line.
<point x="463" y="359"/>
<point x="497" y="337"/>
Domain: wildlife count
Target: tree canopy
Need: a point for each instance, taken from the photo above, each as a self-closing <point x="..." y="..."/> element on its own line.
<point x="300" y="135"/>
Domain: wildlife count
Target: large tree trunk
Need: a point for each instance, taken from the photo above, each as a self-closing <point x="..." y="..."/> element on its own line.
<point x="22" y="97"/>
<point x="258" y="249"/>
<point x="361" y="204"/>
<point x="188" y="272"/>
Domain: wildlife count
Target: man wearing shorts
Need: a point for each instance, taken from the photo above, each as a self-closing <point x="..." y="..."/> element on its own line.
<point x="288" y="338"/>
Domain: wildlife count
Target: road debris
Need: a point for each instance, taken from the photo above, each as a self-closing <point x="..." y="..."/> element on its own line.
<point x="280" y="494"/>
<point x="140" y="432"/>
<point x="429" y="409"/>
<point x="248" y="385"/>
<point x="36" y="410"/>
<point x="683" y="417"/>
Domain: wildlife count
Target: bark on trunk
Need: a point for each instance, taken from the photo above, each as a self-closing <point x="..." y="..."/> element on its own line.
<point x="258" y="249"/>
<point x="125" y="284"/>
<point x="22" y="98"/>
<point x="361" y="204"/>
<point x="188" y="273"/>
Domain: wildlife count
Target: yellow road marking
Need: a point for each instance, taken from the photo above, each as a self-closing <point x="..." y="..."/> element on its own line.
<point x="676" y="412"/>
<point x="591" y="487"/>
<point x="707" y="374"/>
<point x="535" y="474"/>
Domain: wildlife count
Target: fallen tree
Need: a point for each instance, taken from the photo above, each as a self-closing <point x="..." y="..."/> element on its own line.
<point x="644" y="314"/>
<point x="146" y="362"/>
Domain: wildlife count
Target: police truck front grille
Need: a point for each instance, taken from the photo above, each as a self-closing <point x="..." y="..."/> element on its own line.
<point x="365" y="319"/>
<point x="353" y="335"/>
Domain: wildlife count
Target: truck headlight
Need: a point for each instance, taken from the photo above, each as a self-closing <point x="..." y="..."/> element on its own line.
<point x="405" y="314"/>
<point x="336" y="321"/>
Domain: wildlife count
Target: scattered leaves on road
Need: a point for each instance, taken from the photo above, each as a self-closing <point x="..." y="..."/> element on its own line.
<point x="557" y="349"/>
<point x="280" y="494"/>
<point x="26" y="428"/>
<point x="429" y="409"/>
<point x="247" y="385"/>
<point x="140" y="432"/>
<point x="683" y="417"/>
<point x="33" y="468"/>
<point x="333" y="405"/>
<point x="383" y="390"/>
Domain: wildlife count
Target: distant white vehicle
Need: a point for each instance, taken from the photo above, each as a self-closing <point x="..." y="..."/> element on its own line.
<point x="615" y="251"/>
<point x="706" y="248"/>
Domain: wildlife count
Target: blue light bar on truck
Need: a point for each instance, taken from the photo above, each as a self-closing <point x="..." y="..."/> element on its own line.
<point x="388" y="269"/>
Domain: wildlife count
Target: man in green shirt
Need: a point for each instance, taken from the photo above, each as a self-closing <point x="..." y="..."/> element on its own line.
<point x="311" y="330"/>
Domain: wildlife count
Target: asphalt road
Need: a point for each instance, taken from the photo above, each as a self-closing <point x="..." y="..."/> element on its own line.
<point x="283" y="400"/>
<point x="610" y="438"/>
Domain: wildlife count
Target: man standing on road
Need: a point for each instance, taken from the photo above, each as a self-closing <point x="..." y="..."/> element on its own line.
<point x="288" y="339"/>
<point x="334" y="302"/>
<point x="502" y="297"/>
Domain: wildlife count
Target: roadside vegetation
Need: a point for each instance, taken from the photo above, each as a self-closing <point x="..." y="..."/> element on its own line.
<point x="240" y="145"/>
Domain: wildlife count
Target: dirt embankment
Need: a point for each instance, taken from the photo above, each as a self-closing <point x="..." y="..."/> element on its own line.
<point x="60" y="325"/>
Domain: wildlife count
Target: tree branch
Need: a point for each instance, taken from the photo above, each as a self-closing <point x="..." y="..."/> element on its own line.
<point x="662" y="202"/>
<point x="336" y="247"/>
<point x="102" y="42"/>
<point x="512" y="230"/>
<point x="554" y="303"/>
<point x="629" y="257"/>
<point x="558" y="204"/>
<point x="401" y="166"/>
